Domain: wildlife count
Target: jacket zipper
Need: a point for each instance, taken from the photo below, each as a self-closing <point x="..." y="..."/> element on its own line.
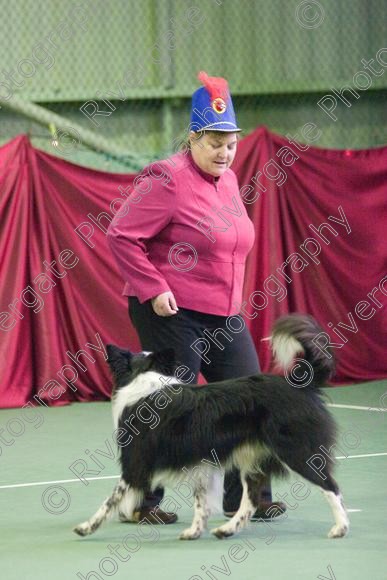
<point x="233" y="257"/>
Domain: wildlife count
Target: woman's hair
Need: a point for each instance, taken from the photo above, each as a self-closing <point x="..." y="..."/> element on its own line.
<point x="186" y="143"/>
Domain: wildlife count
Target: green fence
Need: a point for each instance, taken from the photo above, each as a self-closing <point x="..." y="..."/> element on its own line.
<point x="124" y="70"/>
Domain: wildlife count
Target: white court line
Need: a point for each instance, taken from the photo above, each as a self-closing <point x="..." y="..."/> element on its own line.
<point x="359" y="408"/>
<point x="356" y="456"/>
<point x="59" y="481"/>
<point x="117" y="476"/>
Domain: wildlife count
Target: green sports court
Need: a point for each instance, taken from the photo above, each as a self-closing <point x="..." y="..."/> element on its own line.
<point x="38" y="541"/>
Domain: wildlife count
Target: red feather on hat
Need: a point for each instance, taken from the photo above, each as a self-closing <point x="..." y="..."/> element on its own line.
<point x="216" y="86"/>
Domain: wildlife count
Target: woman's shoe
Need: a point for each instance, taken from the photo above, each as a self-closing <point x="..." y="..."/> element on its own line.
<point x="265" y="511"/>
<point x="154" y="516"/>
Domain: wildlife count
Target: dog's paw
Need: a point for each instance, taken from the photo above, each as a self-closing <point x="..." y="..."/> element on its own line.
<point x="338" y="531"/>
<point x="222" y="533"/>
<point x="83" y="529"/>
<point x="190" y="534"/>
<point x="126" y="519"/>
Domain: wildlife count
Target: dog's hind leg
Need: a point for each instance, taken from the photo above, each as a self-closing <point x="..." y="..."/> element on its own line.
<point x="335" y="500"/>
<point x="106" y="509"/>
<point x="201" y="511"/>
<point x="331" y="492"/>
<point x="248" y="505"/>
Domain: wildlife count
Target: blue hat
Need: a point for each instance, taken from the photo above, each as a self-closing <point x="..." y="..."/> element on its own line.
<point x="212" y="108"/>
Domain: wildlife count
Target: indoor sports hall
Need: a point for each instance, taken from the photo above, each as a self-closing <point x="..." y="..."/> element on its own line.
<point x="200" y="183"/>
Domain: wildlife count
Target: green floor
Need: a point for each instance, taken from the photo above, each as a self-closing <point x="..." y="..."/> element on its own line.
<point x="37" y="544"/>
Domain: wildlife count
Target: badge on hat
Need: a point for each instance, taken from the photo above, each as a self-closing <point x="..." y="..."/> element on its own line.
<point x="212" y="108"/>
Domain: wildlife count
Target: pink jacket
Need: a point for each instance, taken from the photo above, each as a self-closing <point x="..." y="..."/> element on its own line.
<point x="185" y="231"/>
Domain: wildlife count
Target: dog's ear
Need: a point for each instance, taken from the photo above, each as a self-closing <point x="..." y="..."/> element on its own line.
<point x="165" y="360"/>
<point x="118" y="359"/>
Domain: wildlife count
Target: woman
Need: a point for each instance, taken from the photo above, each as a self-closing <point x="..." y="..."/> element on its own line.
<point x="181" y="244"/>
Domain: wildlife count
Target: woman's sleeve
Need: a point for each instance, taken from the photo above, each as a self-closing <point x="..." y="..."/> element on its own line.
<point x="148" y="209"/>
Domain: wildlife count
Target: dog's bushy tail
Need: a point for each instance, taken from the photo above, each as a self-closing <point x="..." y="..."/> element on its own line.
<point x="294" y="337"/>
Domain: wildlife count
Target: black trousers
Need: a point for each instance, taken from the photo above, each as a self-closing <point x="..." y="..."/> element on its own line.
<point x="230" y="354"/>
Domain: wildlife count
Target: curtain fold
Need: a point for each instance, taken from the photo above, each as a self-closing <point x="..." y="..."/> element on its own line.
<point x="70" y="284"/>
<point x="61" y="290"/>
<point x="329" y="272"/>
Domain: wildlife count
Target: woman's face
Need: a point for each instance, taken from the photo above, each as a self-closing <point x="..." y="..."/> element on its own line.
<point x="213" y="152"/>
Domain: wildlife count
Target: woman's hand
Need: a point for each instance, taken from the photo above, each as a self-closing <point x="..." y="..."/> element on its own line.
<point x="164" y="304"/>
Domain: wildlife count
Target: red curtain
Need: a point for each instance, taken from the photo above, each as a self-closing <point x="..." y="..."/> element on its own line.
<point x="61" y="291"/>
<point x="304" y="189"/>
<point x="44" y="202"/>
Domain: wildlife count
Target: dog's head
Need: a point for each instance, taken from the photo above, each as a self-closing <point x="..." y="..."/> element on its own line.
<point x="125" y="365"/>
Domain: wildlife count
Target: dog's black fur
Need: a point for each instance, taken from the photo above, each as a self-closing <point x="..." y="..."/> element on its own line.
<point x="261" y="424"/>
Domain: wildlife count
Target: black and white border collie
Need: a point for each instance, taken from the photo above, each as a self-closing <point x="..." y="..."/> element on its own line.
<point x="261" y="424"/>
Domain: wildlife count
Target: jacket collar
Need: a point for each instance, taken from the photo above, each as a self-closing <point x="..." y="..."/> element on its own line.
<point x="206" y="176"/>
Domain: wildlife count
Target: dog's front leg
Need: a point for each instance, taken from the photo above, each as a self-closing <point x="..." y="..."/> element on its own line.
<point x="242" y="516"/>
<point x="201" y="513"/>
<point x="106" y="509"/>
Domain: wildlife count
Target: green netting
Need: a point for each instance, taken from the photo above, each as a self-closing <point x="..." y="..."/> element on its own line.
<point x="137" y="60"/>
